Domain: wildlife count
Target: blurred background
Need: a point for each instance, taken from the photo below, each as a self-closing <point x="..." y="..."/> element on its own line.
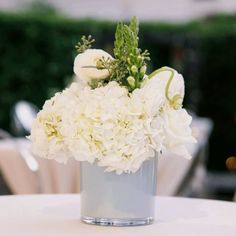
<point x="196" y="37"/>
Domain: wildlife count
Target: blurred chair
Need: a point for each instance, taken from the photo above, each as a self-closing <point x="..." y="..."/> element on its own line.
<point x="4" y="134"/>
<point x="4" y="188"/>
<point x="22" y="115"/>
<point x="17" y="164"/>
<point x="50" y="177"/>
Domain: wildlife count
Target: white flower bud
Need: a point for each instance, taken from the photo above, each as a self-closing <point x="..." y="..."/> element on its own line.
<point x="85" y="65"/>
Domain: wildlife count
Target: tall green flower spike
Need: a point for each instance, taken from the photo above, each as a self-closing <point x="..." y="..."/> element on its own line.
<point x="130" y="61"/>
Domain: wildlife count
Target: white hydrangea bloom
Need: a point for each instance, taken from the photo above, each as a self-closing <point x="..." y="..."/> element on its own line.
<point x="46" y="135"/>
<point x="111" y="127"/>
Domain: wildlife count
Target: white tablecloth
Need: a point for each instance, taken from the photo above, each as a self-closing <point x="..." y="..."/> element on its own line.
<point x="59" y="215"/>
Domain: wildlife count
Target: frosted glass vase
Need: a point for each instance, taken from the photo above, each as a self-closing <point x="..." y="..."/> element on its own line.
<point x="118" y="200"/>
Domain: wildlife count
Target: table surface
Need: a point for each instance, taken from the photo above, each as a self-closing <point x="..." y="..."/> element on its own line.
<point x="59" y="215"/>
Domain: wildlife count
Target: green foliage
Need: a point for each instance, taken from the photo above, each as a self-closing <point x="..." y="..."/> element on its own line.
<point x="84" y="44"/>
<point x="218" y="101"/>
<point x="39" y="7"/>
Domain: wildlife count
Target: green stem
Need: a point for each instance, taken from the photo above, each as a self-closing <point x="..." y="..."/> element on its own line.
<point x="169" y="81"/>
<point x="92" y="67"/>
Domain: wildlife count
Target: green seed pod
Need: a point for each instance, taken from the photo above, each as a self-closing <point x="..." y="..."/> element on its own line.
<point x="134" y="69"/>
<point x="176" y="102"/>
<point x="137" y="50"/>
<point x="131" y="81"/>
<point x="140" y="58"/>
<point x="99" y="64"/>
<point x="143" y="70"/>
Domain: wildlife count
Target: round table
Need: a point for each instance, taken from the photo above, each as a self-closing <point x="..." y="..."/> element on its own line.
<point x="59" y="215"/>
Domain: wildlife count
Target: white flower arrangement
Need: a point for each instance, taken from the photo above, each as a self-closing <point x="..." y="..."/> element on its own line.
<point x="115" y="122"/>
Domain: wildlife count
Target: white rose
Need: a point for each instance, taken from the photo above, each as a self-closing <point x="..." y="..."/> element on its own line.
<point x="85" y="65"/>
<point x="177" y="131"/>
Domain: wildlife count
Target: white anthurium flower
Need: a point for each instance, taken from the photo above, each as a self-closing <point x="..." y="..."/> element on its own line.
<point x="174" y="85"/>
<point x="85" y="65"/>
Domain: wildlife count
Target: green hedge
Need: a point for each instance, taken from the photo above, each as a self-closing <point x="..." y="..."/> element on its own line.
<point x="37" y="54"/>
<point x="218" y="90"/>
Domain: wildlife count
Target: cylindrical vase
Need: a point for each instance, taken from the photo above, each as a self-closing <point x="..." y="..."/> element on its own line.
<point x="119" y="200"/>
